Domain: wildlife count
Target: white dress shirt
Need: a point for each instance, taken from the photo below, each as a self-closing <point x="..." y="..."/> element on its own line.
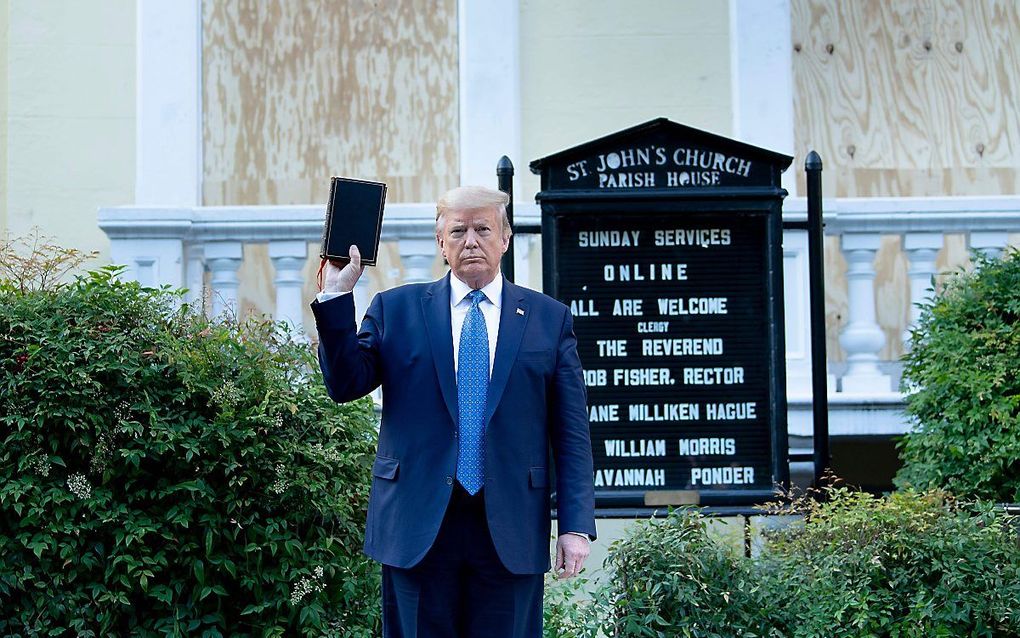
<point x="460" y="304"/>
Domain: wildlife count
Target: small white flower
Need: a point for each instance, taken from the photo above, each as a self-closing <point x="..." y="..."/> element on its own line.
<point x="40" y="464"/>
<point x="305" y="586"/>
<point x="122" y="411"/>
<point x="227" y="394"/>
<point x="281" y="484"/>
<point x="79" y="486"/>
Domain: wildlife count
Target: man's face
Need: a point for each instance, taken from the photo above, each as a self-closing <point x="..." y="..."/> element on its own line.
<point x="473" y="243"/>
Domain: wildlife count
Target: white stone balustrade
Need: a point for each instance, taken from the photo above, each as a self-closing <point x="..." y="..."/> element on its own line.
<point x="177" y="246"/>
<point x="922" y="223"/>
<point x="862" y="339"/>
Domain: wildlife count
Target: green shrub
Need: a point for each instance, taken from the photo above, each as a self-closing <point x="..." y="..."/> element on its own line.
<point x="570" y="608"/>
<point x="672" y="578"/>
<point x="962" y="376"/>
<point x="910" y="565"/>
<point x="856" y="566"/>
<point x="666" y="577"/>
<point x="161" y="474"/>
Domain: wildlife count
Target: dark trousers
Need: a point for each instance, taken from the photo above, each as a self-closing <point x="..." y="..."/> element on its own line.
<point x="461" y="589"/>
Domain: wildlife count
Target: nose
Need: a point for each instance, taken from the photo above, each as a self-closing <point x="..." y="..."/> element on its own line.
<point x="470" y="238"/>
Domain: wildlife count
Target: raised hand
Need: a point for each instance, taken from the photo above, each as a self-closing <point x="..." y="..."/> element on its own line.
<point x="343" y="279"/>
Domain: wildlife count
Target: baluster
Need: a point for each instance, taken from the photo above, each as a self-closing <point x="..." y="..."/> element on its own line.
<point x="922" y="249"/>
<point x="223" y="259"/>
<point x="991" y="243"/>
<point x="194" y="274"/>
<point x="862" y="338"/>
<point x="288" y="259"/>
<point x="361" y="299"/>
<point x="417" y="255"/>
<point x="796" y="294"/>
<point x="522" y="264"/>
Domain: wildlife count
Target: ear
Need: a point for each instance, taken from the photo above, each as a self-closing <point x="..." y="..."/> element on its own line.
<point x="507" y="237"/>
<point x="439" y="242"/>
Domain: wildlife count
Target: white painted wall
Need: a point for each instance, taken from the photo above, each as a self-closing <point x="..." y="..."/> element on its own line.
<point x="490" y="96"/>
<point x="762" y="78"/>
<point x="169" y="110"/>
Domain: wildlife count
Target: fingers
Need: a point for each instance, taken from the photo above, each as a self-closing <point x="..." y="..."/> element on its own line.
<point x="349" y="275"/>
<point x="571" y="552"/>
<point x="572" y="564"/>
<point x="331" y="276"/>
<point x="568" y="569"/>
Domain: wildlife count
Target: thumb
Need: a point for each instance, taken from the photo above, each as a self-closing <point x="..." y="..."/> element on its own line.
<point x="355" y="256"/>
<point x="559" y="557"/>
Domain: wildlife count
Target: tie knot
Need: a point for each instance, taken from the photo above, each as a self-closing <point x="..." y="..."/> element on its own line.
<point x="476" y="296"/>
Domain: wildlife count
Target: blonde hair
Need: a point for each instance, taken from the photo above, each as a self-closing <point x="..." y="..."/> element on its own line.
<point x="472" y="198"/>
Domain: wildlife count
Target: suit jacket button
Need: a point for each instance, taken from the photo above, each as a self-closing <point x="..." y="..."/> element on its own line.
<point x="449" y="480"/>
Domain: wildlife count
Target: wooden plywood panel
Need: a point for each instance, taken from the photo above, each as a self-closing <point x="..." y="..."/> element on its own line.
<point x="256" y="292"/>
<point x="836" y="304"/>
<point x="295" y="91"/>
<point x="953" y="258"/>
<point x="909" y="97"/>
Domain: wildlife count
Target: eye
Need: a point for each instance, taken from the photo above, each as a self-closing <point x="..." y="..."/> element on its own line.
<point x="456" y="232"/>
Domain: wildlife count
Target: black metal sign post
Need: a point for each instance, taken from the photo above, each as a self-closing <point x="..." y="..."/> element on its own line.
<point x="505" y="179"/>
<point x="816" y="258"/>
<point x="666" y="243"/>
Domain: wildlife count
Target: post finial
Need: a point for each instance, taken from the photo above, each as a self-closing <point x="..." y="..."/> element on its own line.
<point x="813" y="161"/>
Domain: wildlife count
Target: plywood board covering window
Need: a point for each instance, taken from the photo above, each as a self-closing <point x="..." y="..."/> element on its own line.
<point x="909" y="97"/>
<point x="295" y="91"/>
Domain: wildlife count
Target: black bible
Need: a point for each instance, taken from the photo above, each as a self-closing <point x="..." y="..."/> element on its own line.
<point x="353" y="217"/>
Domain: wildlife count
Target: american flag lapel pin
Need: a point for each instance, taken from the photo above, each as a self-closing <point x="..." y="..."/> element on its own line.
<point x="520" y="311"/>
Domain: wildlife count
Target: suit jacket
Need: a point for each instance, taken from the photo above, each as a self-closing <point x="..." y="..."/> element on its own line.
<point x="536" y="402"/>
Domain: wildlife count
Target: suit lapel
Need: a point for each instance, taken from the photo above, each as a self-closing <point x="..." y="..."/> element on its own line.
<point x="435" y="307"/>
<point x="511" y="331"/>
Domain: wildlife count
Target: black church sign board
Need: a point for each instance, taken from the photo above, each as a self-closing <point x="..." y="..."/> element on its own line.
<point x="666" y="243"/>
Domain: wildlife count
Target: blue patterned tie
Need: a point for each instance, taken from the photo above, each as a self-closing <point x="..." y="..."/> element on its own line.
<point x="472" y="386"/>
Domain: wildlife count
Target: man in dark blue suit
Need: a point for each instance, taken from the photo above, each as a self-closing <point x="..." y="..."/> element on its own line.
<point x="480" y="379"/>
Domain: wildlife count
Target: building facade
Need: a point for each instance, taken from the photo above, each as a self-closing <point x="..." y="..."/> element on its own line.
<point x="193" y="140"/>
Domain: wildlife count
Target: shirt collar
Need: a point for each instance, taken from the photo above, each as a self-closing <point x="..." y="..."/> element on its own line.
<point x="493" y="291"/>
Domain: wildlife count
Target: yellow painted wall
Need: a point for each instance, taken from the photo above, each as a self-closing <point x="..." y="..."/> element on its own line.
<point x="70" y="116"/>
<point x="592" y="67"/>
